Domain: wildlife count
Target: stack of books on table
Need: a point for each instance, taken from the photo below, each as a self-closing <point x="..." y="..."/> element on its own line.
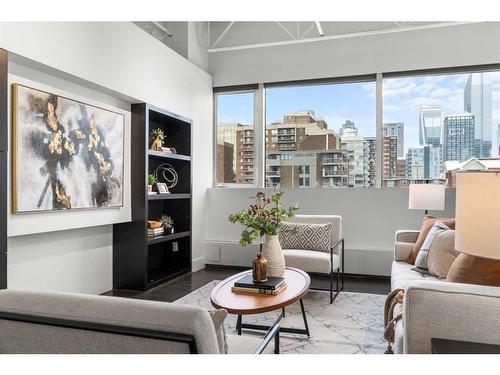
<point x="153" y="232"/>
<point x="273" y="286"/>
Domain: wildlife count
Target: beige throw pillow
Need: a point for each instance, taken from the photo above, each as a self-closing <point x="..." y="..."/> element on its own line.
<point x="218" y="316"/>
<point x="306" y="236"/>
<point x="442" y="254"/>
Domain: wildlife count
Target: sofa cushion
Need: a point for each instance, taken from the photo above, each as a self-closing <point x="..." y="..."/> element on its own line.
<point x="442" y="254"/>
<point x="427" y="224"/>
<point x="402" y="274"/>
<point x="306" y="236"/>
<point x="423" y="254"/>
<point x="310" y="261"/>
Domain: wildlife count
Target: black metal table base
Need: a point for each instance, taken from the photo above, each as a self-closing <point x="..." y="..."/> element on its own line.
<point x="300" y="331"/>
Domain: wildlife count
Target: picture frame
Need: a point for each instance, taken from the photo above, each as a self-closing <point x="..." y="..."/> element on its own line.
<point x="162" y="188"/>
<point x="59" y="145"/>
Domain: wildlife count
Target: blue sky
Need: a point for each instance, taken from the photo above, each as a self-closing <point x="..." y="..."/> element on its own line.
<point x="403" y="98"/>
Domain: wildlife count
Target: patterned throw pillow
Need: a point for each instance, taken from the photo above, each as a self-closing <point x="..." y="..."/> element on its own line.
<point x="421" y="261"/>
<point x="304" y="236"/>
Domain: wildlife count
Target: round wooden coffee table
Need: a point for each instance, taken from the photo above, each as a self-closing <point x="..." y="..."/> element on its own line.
<point x="248" y="304"/>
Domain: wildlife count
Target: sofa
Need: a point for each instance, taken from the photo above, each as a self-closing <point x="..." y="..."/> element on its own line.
<point x="434" y="308"/>
<point x="63" y="323"/>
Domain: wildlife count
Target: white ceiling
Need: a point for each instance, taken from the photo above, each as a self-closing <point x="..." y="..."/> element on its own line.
<point x="239" y="34"/>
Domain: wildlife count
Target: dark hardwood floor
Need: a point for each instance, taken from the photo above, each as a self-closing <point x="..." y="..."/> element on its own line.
<point x="175" y="289"/>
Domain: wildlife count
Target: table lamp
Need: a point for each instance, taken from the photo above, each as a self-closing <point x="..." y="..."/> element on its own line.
<point x="426" y="197"/>
<point x="477" y="230"/>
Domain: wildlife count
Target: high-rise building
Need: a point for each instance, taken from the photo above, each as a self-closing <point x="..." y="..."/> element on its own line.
<point x="396" y="129"/>
<point x="478" y="102"/>
<point x="401" y="169"/>
<point x="370" y="147"/>
<point x="430" y="125"/>
<point x="458" y="137"/>
<point x="239" y="139"/>
<point x="348" y="128"/>
<point x="225" y="163"/>
<point x="389" y="158"/>
<point x="296" y="149"/>
<point x="355" y="147"/>
<point x="436" y="163"/>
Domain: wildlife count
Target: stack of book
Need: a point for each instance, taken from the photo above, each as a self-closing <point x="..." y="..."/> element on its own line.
<point x="273" y="286"/>
<point x="153" y="232"/>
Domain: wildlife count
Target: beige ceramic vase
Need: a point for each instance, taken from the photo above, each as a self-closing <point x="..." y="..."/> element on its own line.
<point x="272" y="252"/>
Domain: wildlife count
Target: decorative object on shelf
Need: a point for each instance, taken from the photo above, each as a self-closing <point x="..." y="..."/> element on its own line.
<point x="166" y="150"/>
<point x="156" y="140"/>
<point x="153" y="224"/>
<point x="151" y="182"/>
<point x="156" y="232"/>
<point x="162" y="188"/>
<point x="259" y="269"/>
<point x="66" y="154"/>
<point x="168" y="224"/>
<point x="265" y="218"/>
<point x="173" y="150"/>
<point x="168" y="174"/>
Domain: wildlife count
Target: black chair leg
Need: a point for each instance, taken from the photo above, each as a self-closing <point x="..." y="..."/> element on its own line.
<point x="283" y="312"/>
<point x="331" y="287"/>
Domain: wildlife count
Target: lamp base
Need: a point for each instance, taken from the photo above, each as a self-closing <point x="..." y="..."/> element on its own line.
<point x="469" y="269"/>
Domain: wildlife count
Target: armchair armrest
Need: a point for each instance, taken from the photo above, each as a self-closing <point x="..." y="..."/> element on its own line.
<point x="403" y="243"/>
<point x="463" y="312"/>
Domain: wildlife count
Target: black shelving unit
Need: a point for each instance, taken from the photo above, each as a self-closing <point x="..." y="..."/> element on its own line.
<point x="3" y="166"/>
<point x="141" y="262"/>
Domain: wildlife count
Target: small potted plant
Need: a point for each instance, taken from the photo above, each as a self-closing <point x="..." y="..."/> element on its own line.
<point x="167" y="223"/>
<point x="151" y="182"/>
<point x="265" y="218"/>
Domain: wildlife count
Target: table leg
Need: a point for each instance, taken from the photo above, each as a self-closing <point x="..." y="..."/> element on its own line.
<point x="277" y="342"/>
<point x="238" y="325"/>
<point x="304" y="317"/>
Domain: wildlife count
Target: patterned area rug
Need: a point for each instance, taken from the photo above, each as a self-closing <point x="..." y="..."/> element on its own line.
<point x="353" y="324"/>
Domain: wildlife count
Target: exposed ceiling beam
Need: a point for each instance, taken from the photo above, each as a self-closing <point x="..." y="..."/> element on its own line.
<point x="166" y="31"/>
<point x="320" y="29"/>
<point x="343" y="36"/>
<point x="282" y="27"/>
<point x="308" y="30"/>
<point x="223" y="34"/>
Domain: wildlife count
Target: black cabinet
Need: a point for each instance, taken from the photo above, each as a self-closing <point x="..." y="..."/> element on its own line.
<point x="3" y="166"/>
<point x="139" y="261"/>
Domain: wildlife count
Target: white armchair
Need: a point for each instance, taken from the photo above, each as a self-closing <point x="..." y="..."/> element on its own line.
<point x="317" y="261"/>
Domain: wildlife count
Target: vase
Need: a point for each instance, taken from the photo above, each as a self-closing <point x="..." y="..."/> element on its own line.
<point x="272" y="252"/>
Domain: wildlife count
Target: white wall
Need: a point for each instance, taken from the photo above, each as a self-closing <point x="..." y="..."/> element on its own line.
<point x="117" y="60"/>
<point x="370" y="219"/>
<point x="468" y="44"/>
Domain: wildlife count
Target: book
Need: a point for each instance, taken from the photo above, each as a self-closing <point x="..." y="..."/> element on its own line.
<point x="272" y="283"/>
<point x="266" y="292"/>
<point x="155" y="232"/>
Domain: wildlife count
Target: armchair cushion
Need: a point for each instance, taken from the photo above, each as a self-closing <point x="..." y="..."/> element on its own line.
<point x="306" y="236"/>
<point x="311" y="261"/>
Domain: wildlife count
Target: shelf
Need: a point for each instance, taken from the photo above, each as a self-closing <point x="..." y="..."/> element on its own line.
<point x="167" y="237"/>
<point x="156" y="197"/>
<point x="160" y="275"/>
<point x="166" y="155"/>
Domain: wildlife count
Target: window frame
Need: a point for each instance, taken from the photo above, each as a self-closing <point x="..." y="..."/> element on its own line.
<point x="217" y="92"/>
<point x="259" y="91"/>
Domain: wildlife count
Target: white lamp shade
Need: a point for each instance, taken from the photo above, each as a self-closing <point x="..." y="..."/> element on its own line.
<point x="426" y="197"/>
<point x="478" y="214"/>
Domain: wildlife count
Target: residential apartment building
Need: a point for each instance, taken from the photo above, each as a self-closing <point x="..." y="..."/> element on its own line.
<point x="396" y="129"/>
<point x="355" y="148"/>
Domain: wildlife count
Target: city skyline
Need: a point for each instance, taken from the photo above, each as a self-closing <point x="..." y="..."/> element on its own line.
<point x="403" y="98"/>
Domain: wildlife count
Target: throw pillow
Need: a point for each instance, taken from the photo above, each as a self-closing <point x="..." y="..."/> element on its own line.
<point x="306" y="236"/>
<point x="442" y="254"/>
<point x="469" y="269"/>
<point x="427" y="224"/>
<point x="437" y="228"/>
<point x="218" y="316"/>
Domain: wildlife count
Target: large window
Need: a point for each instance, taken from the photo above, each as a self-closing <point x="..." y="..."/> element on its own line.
<point x="320" y="136"/>
<point x="436" y="122"/>
<point x="235" y="141"/>
<point x="328" y="135"/>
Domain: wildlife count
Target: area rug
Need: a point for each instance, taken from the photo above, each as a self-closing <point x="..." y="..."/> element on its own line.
<point x="353" y="324"/>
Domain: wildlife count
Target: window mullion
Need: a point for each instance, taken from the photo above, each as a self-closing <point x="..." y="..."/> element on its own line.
<point x="379" y="163"/>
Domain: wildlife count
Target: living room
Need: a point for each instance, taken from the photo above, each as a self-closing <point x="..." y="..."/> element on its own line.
<point x="246" y="185"/>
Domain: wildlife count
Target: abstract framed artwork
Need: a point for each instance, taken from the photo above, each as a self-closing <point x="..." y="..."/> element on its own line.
<point x="66" y="154"/>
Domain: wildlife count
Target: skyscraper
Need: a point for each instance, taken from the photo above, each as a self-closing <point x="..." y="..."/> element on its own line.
<point x="348" y="127"/>
<point x="354" y="145"/>
<point x="477" y="101"/>
<point x="430" y="125"/>
<point x="458" y="137"/>
<point x="396" y="129"/>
